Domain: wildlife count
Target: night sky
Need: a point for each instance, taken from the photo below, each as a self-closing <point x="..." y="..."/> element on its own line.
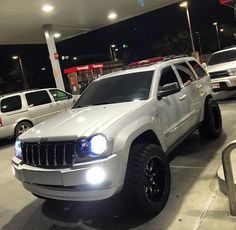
<point x="148" y="35"/>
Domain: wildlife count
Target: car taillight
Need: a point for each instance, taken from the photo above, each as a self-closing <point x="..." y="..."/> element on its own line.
<point x="0" y="121"/>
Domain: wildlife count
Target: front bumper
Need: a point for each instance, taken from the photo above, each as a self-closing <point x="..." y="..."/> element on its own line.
<point x="224" y="84"/>
<point x="71" y="183"/>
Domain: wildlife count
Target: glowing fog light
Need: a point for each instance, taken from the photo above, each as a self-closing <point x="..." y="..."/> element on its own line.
<point x="18" y="149"/>
<point x="95" y="175"/>
<point x="98" y="144"/>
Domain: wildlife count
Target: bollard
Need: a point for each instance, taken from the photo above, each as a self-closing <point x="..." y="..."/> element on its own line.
<point x="229" y="179"/>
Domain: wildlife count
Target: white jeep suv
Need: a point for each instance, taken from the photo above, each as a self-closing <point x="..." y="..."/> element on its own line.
<point x="222" y="69"/>
<point x="118" y="135"/>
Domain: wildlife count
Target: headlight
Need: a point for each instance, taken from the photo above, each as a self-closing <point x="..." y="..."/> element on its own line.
<point x="98" y="144"/>
<point x="232" y="72"/>
<point x="18" y="149"/>
<point x="92" y="146"/>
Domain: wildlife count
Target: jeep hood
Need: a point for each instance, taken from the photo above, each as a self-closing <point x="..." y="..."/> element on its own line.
<point x="74" y="123"/>
<point x="221" y="66"/>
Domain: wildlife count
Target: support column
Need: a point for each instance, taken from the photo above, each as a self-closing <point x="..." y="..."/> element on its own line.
<point x="53" y="57"/>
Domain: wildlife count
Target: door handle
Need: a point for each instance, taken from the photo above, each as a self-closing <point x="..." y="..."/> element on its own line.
<point x="182" y="97"/>
<point x="199" y="86"/>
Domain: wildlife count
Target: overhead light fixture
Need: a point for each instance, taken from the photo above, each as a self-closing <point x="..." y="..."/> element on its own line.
<point x="47" y="8"/>
<point x="57" y="35"/>
<point x="112" y="16"/>
<point x="183" y="4"/>
<point x="74" y="58"/>
<point x="14" y="57"/>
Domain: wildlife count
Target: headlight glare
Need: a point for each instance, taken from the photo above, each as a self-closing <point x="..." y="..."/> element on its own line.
<point x="18" y="149"/>
<point x="95" y="175"/>
<point x="92" y="146"/>
<point x="98" y="144"/>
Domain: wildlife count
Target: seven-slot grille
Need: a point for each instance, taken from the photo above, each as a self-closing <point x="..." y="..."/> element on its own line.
<point x="50" y="154"/>
<point x="219" y="74"/>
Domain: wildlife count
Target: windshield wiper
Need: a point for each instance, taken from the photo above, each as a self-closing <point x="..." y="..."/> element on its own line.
<point x="98" y="103"/>
<point x="104" y="102"/>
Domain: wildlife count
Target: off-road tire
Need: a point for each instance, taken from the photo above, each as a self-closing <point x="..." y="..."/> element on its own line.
<point x="22" y="127"/>
<point x="141" y="195"/>
<point x="211" y="126"/>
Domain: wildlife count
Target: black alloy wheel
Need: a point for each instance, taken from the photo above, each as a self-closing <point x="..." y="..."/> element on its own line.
<point x="147" y="182"/>
<point x="154" y="180"/>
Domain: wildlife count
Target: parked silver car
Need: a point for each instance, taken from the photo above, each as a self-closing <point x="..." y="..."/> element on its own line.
<point x="22" y="110"/>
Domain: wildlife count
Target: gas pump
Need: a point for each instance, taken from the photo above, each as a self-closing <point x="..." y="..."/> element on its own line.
<point x="73" y="80"/>
<point x="81" y="76"/>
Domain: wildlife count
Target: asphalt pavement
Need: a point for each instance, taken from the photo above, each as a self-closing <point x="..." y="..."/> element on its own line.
<point x="195" y="201"/>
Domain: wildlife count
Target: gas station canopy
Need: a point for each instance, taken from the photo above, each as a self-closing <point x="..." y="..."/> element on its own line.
<point x="22" y="21"/>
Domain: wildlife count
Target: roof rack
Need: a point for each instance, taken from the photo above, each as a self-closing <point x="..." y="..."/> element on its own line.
<point x="153" y="60"/>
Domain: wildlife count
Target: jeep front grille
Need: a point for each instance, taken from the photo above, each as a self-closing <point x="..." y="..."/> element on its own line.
<point x="219" y="74"/>
<point x="50" y="154"/>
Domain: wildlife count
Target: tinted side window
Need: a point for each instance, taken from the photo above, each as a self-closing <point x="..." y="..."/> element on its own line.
<point x="11" y="104"/>
<point x="198" y="69"/>
<point x="167" y="76"/>
<point x="38" y="98"/>
<point x="59" y="95"/>
<point x="185" y="73"/>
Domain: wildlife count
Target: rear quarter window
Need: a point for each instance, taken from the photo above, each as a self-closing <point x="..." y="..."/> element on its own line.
<point x="198" y="69"/>
<point x="11" y="104"/>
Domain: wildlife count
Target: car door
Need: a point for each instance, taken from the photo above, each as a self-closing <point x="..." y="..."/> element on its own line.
<point x="190" y="86"/>
<point x="202" y="83"/>
<point x="171" y="109"/>
<point x="62" y="99"/>
<point x="40" y="105"/>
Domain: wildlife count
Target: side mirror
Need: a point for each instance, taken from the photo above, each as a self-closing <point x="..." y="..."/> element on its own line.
<point x="168" y="89"/>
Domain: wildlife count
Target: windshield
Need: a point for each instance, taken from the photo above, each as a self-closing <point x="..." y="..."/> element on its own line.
<point x="122" y="88"/>
<point x="222" y="57"/>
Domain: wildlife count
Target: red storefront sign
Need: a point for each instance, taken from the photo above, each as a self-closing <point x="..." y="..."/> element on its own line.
<point x="230" y="3"/>
<point x="83" y="67"/>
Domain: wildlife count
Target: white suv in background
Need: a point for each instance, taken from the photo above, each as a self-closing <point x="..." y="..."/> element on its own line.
<point x="21" y="110"/>
<point x="222" y="69"/>
<point x="118" y="135"/>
